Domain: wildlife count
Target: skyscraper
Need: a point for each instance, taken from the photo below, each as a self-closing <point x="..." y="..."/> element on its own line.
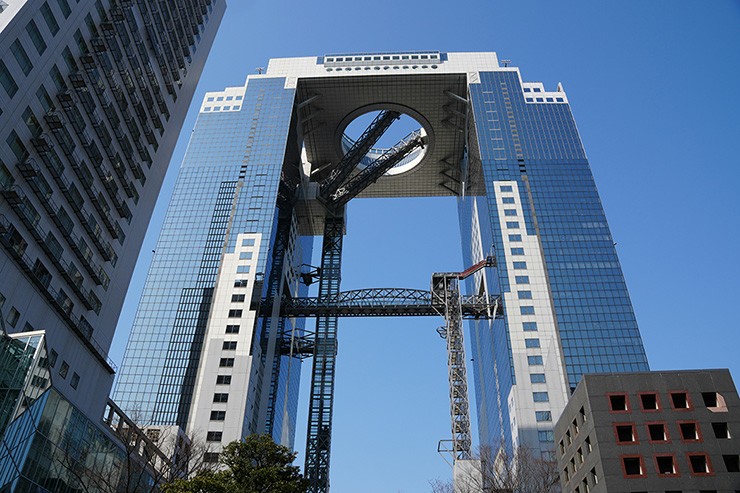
<point x="92" y="101"/>
<point x="270" y="166"/>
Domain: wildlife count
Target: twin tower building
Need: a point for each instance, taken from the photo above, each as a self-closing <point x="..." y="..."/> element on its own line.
<point x="92" y="99"/>
<point x="208" y="347"/>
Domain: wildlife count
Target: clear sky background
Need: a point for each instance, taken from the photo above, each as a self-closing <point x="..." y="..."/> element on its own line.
<point x="654" y="89"/>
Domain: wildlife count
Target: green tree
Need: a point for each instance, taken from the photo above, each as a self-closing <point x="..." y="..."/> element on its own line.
<point x="253" y="465"/>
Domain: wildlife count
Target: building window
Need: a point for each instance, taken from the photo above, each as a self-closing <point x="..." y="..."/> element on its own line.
<point x="248" y="242"/>
<point x="245" y="255"/>
<point x="218" y="415"/>
<point x="520" y="265"/>
<point x="546" y="436"/>
<point x="537" y="377"/>
<point x="526" y="310"/>
<point x="506" y="188"/>
<point x="16" y="145"/>
<point x="74" y="381"/>
<point x="512" y="224"/>
<point x="515" y="237"/>
<point x="700" y="464"/>
<point x="235" y="313"/>
<point x="534" y="360"/>
<point x="64" y="7"/>
<point x="35" y="35"/>
<point x="53" y="355"/>
<point x="532" y="342"/>
<point x="510" y="212"/>
<point x="517" y="251"/>
<point x="524" y="295"/>
<point x="529" y="326"/>
<point x="64" y="370"/>
<point x="7" y="80"/>
<point x="633" y="466"/>
<point x="220" y="397"/>
<point x="690" y="431"/>
<point x="229" y="346"/>
<point x="240" y="283"/>
<point x="714" y="402"/>
<point x="657" y="432"/>
<point x="214" y="436"/>
<point x="625" y="433"/>
<point x="649" y="401"/>
<point x="732" y="462"/>
<point x="721" y="431"/>
<point x="680" y="400"/>
<point x="522" y="279"/>
<point x="210" y="457"/>
<point x="223" y="379"/>
<point x="232" y="329"/>
<point x="13" y="317"/>
<point x="619" y="403"/>
<point x="237" y="298"/>
<point x="666" y="465"/>
<point x="51" y="22"/>
<point x="508" y="200"/>
<point x="21" y="57"/>
<point x="226" y="362"/>
<point x="540" y="397"/>
<point x="543" y="415"/>
<point x="242" y="269"/>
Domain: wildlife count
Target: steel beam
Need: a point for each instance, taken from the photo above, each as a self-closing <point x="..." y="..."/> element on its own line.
<point x="318" y="442"/>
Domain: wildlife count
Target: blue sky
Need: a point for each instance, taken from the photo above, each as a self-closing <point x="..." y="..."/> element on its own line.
<point x="653" y="86"/>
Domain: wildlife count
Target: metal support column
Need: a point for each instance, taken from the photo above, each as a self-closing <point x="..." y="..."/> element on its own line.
<point x="318" y="443"/>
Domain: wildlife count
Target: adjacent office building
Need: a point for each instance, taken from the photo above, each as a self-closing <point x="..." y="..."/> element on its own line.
<point x="92" y="99"/>
<point x="667" y="431"/>
<point x="252" y="193"/>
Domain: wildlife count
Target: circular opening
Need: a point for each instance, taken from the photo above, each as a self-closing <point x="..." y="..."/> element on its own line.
<point x="400" y="130"/>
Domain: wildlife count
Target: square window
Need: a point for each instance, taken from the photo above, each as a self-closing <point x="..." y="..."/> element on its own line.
<point x="619" y="403"/>
<point x="232" y="329"/>
<point x="714" y="401"/>
<point x="546" y="436"/>
<point x="666" y="465"/>
<point x="532" y="342"/>
<point x="235" y="313"/>
<point x="649" y="401"/>
<point x="529" y="326"/>
<point x="657" y="432"/>
<point x="633" y="466"/>
<point x="680" y="400"/>
<point x="512" y="224"/>
<point x="540" y="397"/>
<point x="210" y="457"/>
<point x="229" y="346"/>
<point x="534" y="360"/>
<point x="220" y="397"/>
<point x="625" y="433"/>
<point x="721" y="431"/>
<point x="700" y="464"/>
<point x="543" y="415"/>
<point x="226" y="362"/>
<point x="223" y="379"/>
<point x="690" y="431"/>
<point x="732" y="462"/>
<point x="526" y="310"/>
<point x="218" y="415"/>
